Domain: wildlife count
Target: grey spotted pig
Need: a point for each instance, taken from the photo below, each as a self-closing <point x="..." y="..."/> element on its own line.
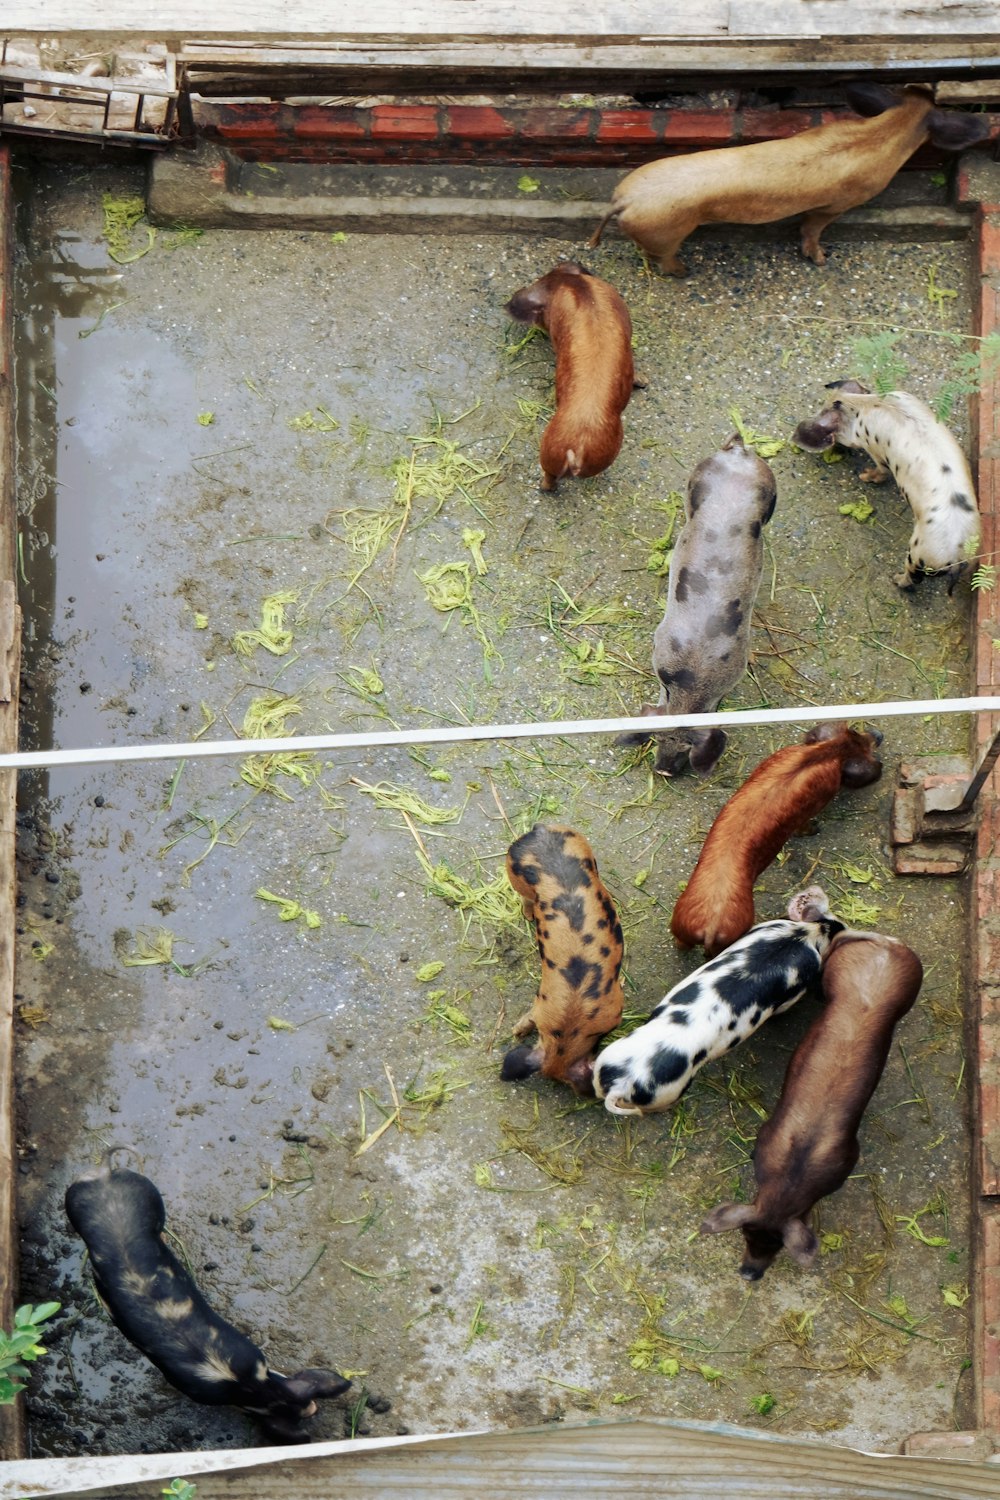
<point x="153" y="1300"/>
<point x="702" y="645"/>
<point x="716" y="1008"/>
<point x="906" y="440"/>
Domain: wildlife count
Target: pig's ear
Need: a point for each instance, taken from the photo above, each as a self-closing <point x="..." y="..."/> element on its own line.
<point x="953" y="131"/>
<point x="852" y="387"/>
<point x="521" y="1062"/>
<point x="580" y="1076"/>
<point x="829" y="730"/>
<point x="727" y="1216"/>
<point x="529" y="304"/>
<point x="821" y="432"/>
<point x="870" y="98"/>
<point x="707" y="746"/>
<point x="800" y="1242"/>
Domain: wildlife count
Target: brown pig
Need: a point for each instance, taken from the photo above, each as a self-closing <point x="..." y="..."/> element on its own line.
<point x="820" y="173"/>
<point x="777" y="800"/>
<point x="809" y="1146"/>
<point x="579" y="941"/>
<point x="591" y="333"/>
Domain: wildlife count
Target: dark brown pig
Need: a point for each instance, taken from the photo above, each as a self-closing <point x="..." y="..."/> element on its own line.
<point x="153" y="1300"/>
<point x="702" y="645"/>
<point x="820" y="173"/>
<point x="777" y="800"/>
<point x="591" y="333"/>
<point x="809" y="1146"/>
<point x="579" y="941"/>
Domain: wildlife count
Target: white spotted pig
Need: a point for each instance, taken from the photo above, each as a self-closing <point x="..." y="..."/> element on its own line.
<point x="906" y="440"/>
<point x="809" y="1146"/>
<point x="820" y="173"/>
<point x="702" y="645"/>
<point x="591" y="332"/>
<point x="154" y="1302"/>
<point x="716" y="1008"/>
<point x="579" y="940"/>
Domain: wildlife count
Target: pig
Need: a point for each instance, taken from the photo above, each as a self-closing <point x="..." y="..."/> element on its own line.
<point x="579" y="940"/>
<point x="154" y="1302"/>
<point x="809" y="1146"/>
<point x="702" y="645"/>
<point x="591" y="333"/>
<point x="778" y="799"/>
<point x="820" y="172"/>
<point x="716" y="1008"/>
<point x="906" y="440"/>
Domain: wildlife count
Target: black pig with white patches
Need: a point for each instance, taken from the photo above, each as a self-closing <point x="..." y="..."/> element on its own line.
<point x="702" y="644"/>
<point x="905" y="439"/>
<point x="717" y="1007"/>
<point x="579" y="939"/>
<point x="153" y="1300"/>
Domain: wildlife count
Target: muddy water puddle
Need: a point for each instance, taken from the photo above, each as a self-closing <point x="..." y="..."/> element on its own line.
<point x="240" y="418"/>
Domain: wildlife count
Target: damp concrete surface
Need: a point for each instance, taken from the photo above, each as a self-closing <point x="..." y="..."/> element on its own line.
<point x="319" y="422"/>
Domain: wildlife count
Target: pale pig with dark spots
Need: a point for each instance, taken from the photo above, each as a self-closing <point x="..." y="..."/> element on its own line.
<point x="809" y="1147"/>
<point x="702" y="645"/>
<point x="906" y="440"/>
<point x="716" y="1008"/>
<point x="579" y="939"/>
<point x="153" y="1300"/>
<point x="820" y="173"/>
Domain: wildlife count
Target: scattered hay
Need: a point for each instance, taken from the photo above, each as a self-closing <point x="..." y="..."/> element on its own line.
<point x="121" y="220"/>
<point x="260" y="772"/>
<point x="492" y="903"/>
<point x="289" y="910"/>
<point x="387" y="794"/>
<point x="307" y="422"/>
<point x="554" y="1161"/>
<point x="271" y="633"/>
<point x="449" y="587"/>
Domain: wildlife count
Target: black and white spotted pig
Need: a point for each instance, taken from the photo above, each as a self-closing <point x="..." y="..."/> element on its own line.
<point x="906" y="440"/>
<point x="153" y="1300"/>
<point x="717" y="1007"/>
<point x="702" y="644"/>
<point x="579" y="939"/>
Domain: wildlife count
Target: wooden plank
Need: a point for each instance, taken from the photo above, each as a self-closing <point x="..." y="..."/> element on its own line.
<point x="151" y="86"/>
<point x="294" y="18"/>
<point x="645" y="1459"/>
<point x="223" y="70"/>
<point x="745" y="20"/>
<point x="787" y="18"/>
<point x="11" y="1418"/>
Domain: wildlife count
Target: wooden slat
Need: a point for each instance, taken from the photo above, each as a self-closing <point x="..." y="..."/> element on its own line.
<point x="788" y="18"/>
<point x="737" y="20"/>
<point x="636" y="1460"/>
<point x="11" y="1418"/>
<point x="295" y="18"/>
<point x="151" y="86"/>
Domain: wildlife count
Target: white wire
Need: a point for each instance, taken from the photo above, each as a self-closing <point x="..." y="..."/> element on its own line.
<point x="454" y="734"/>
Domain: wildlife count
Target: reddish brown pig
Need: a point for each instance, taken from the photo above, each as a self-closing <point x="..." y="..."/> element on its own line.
<point x="579" y="941"/>
<point x="820" y="173"/>
<point x="809" y="1146"/>
<point x="778" y="799"/>
<point x="591" y="332"/>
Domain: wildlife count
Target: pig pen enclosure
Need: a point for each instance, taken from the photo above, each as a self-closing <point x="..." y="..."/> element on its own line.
<point x="285" y="482"/>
